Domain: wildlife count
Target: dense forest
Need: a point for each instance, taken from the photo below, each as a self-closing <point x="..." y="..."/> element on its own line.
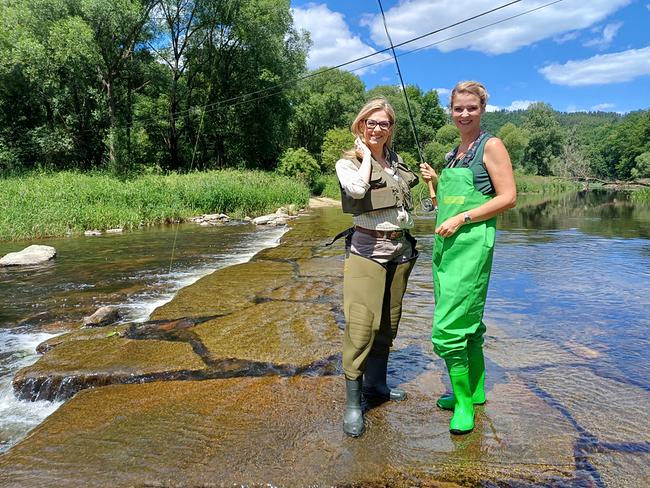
<point x="132" y="86"/>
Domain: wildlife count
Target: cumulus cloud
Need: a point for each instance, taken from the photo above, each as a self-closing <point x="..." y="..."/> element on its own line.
<point x="412" y="18"/>
<point x="603" y="107"/>
<point x="520" y="104"/>
<point x="333" y="42"/>
<point x="601" y="69"/>
<point x="515" y="105"/>
<point x="606" y="36"/>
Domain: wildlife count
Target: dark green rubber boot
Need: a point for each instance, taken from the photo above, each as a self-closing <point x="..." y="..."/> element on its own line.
<point x="462" y="421"/>
<point x="374" y="378"/>
<point x="476" y="379"/>
<point x="353" y="418"/>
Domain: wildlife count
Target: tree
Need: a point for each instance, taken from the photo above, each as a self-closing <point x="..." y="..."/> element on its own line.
<point x="117" y="27"/>
<point x="238" y="80"/>
<point x="335" y="143"/>
<point x="327" y="99"/>
<point x="178" y="23"/>
<point x="515" y="140"/>
<point x="572" y="163"/>
<point x="545" y="139"/>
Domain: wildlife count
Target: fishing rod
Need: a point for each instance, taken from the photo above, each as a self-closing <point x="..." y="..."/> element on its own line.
<point x="432" y="192"/>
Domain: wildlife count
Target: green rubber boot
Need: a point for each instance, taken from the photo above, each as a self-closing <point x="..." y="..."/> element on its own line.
<point x="374" y="378"/>
<point x="353" y="417"/>
<point x="462" y="421"/>
<point x="476" y="379"/>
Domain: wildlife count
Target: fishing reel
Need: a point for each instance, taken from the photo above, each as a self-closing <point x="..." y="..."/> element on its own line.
<point x="426" y="204"/>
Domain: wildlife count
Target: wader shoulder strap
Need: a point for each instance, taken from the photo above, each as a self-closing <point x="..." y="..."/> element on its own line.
<point x="345" y="233"/>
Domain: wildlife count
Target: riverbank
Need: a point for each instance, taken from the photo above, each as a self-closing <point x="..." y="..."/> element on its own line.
<point x="67" y="203"/>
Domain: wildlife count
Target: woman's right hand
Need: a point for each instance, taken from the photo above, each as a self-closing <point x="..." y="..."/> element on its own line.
<point x="361" y="149"/>
<point x="428" y="173"/>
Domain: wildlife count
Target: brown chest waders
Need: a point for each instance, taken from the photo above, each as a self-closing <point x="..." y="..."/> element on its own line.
<point x="372" y="305"/>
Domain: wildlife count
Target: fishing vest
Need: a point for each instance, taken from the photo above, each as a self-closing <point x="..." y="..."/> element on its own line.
<point x="385" y="190"/>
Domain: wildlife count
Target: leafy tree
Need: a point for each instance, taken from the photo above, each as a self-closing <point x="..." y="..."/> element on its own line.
<point x="327" y="99"/>
<point x="448" y="135"/>
<point x="298" y="162"/>
<point x="117" y="26"/>
<point x="251" y="48"/>
<point x="515" y="140"/>
<point x="642" y="167"/>
<point x="546" y="139"/>
<point x="336" y="142"/>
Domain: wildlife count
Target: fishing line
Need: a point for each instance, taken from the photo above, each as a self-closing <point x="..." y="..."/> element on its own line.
<point x="426" y="206"/>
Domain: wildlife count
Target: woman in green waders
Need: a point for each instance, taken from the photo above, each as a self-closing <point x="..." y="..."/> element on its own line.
<point x="475" y="186"/>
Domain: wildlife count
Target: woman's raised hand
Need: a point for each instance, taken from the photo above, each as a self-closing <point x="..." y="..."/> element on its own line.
<point x="361" y="149"/>
<point x="427" y="172"/>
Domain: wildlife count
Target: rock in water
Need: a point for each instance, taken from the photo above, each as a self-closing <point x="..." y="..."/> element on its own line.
<point x="33" y="254"/>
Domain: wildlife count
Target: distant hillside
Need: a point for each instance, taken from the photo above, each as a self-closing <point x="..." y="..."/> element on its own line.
<point x="493" y="121"/>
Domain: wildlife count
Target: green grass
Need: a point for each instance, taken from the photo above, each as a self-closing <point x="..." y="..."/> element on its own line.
<point x="544" y="184"/>
<point x="641" y="196"/>
<point x="49" y="205"/>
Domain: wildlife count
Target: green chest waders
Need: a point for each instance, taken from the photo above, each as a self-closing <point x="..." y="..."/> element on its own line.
<point x="461" y="273"/>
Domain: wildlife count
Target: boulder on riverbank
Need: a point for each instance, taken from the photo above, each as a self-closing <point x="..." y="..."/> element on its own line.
<point x="34" y="254"/>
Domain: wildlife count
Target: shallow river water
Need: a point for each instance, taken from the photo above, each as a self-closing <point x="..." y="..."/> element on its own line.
<point x="568" y="314"/>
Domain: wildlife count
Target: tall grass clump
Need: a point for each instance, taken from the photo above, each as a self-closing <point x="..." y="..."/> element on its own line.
<point x="544" y="184"/>
<point x="641" y="196"/>
<point x="47" y="205"/>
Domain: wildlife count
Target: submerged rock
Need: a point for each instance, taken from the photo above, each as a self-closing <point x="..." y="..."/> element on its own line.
<point x="33" y="254"/>
<point x="76" y="365"/>
<point x="277" y="431"/>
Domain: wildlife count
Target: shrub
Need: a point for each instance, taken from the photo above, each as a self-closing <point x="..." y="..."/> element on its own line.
<point x="299" y="163"/>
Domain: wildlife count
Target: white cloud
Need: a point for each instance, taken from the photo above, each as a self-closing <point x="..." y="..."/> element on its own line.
<point x="333" y="43"/>
<point x="603" y="107"/>
<point x="411" y="18"/>
<point x="608" y="34"/>
<point x="520" y="104"/>
<point x="569" y="36"/>
<point x="516" y="105"/>
<point x="601" y="69"/>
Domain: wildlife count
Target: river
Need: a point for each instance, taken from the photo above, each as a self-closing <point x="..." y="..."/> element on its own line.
<point x="568" y="312"/>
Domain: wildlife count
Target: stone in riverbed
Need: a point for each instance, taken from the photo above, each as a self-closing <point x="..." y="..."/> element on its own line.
<point x="282" y="333"/>
<point x="75" y="365"/>
<point x="34" y="254"/>
<point x="102" y="317"/>
<point x="226" y="290"/>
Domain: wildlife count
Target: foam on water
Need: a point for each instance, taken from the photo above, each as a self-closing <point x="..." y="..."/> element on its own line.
<point x="17" y="417"/>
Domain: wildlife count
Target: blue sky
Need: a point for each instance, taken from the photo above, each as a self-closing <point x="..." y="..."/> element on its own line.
<point x="576" y="55"/>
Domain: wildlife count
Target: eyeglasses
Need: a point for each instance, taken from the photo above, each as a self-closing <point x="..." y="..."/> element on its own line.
<point x="383" y="124"/>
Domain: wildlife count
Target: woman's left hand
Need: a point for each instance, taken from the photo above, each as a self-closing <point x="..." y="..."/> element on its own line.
<point x="450" y="226"/>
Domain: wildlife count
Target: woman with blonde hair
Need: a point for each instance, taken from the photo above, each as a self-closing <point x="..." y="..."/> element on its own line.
<point x="380" y="254"/>
<point x="476" y="185"/>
